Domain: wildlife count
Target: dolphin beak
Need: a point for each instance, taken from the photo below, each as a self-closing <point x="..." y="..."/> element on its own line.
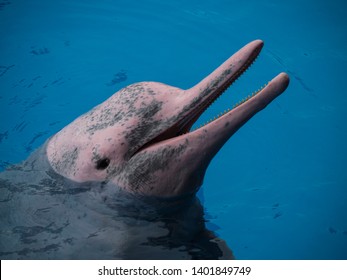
<point x="222" y="128"/>
<point x="197" y="99"/>
<point x="218" y="131"/>
<point x="190" y="152"/>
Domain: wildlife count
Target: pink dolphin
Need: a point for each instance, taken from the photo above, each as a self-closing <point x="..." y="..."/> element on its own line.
<point x="140" y="140"/>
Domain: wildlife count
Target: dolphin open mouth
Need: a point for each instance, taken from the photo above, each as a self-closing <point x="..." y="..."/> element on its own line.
<point x="201" y="96"/>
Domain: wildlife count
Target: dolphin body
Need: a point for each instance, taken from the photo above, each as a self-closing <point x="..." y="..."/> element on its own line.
<point x="119" y="182"/>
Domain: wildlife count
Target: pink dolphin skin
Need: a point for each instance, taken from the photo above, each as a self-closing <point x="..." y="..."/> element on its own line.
<point x="140" y="140"/>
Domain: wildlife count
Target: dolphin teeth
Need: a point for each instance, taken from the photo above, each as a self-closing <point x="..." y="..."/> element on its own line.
<point x="234" y="106"/>
<point x="237" y="75"/>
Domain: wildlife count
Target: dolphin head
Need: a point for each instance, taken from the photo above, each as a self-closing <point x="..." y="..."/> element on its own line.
<point x="140" y="138"/>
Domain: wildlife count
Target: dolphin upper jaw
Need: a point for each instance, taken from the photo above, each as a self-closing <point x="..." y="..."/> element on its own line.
<point x="141" y="134"/>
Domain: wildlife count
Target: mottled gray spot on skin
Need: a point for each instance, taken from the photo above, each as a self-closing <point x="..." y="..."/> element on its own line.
<point x="142" y="172"/>
<point x="221" y="78"/>
<point x="95" y="156"/>
<point x="149" y="111"/>
<point x="68" y="161"/>
<point x="217" y="83"/>
<point x="137" y="136"/>
<point x="104" y="120"/>
<point x="201" y="137"/>
<point x="151" y="92"/>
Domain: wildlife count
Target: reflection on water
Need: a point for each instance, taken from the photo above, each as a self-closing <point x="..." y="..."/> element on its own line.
<point x="45" y="216"/>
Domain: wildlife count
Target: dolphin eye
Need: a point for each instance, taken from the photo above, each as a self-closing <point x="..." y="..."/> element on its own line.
<point x="102" y="164"/>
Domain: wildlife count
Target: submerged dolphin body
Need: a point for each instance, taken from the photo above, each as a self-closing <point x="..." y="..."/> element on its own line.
<point x="46" y="216"/>
<point x="119" y="181"/>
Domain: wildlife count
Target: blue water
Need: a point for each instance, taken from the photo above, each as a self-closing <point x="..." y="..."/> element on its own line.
<point x="278" y="188"/>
